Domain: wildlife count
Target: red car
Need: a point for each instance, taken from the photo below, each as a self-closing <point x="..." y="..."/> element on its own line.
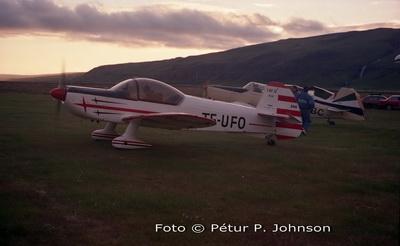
<point x="372" y="101"/>
<point x="391" y="103"/>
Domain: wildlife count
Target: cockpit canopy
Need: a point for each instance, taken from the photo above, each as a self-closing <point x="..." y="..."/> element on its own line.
<point x="321" y="92"/>
<point x="149" y="90"/>
<point x="255" y="87"/>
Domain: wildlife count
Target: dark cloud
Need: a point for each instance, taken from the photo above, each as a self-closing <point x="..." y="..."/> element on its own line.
<point x="147" y="26"/>
<point x="36" y="15"/>
<point x="139" y="27"/>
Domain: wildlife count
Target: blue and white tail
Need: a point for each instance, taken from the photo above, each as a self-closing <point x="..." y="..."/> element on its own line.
<point x="278" y="102"/>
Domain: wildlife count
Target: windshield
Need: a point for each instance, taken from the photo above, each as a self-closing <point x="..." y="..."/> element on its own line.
<point x="149" y="90"/>
<point x="127" y="89"/>
<point x="255" y="87"/>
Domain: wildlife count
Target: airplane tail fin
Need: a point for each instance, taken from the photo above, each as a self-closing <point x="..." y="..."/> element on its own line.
<point x="350" y="100"/>
<point x="278" y="102"/>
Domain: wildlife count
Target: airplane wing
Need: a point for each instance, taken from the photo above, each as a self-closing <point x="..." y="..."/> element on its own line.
<point x="172" y="121"/>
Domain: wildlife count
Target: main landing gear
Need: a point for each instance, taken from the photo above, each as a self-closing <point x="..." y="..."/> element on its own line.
<point x="331" y="122"/>
<point x="127" y="140"/>
<point x="271" y="139"/>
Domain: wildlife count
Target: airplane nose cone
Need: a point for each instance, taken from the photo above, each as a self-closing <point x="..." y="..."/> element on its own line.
<point x="59" y="93"/>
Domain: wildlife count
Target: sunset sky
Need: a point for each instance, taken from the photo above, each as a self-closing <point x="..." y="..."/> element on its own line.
<point x="36" y="36"/>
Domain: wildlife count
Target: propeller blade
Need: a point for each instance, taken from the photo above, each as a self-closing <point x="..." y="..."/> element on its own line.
<point x="61" y="85"/>
<point x="205" y="87"/>
<point x="58" y="109"/>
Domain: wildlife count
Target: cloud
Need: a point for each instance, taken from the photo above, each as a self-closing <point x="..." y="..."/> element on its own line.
<point x="265" y="5"/>
<point x="299" y="26"/>
<point x="159" y="25"/>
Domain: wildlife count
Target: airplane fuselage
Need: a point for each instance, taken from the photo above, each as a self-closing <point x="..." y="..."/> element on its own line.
<point x="326" y="109"/>
<point x="228" y="117"/>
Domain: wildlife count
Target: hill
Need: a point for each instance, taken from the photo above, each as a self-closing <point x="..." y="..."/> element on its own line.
<point x="43" y="78"/>
<point x="359" y="59"/>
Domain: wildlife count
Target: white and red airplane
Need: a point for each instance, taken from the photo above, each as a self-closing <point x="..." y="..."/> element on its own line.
<point x="151" y="103"/>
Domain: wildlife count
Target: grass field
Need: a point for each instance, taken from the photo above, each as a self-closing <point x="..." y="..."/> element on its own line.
<point x="59" y="187"/>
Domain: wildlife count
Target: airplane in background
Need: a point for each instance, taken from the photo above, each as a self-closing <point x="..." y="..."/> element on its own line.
<point x="345" y="104"/>
<point x="152" y="103"/>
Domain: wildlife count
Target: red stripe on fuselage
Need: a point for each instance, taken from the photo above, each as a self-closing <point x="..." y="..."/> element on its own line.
<point x="85" y="106"/>
<point x="288" y="112"/>
<point x="287" y="99"/>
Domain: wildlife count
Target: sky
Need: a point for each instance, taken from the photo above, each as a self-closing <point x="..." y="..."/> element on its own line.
<point x="38" y="36"/>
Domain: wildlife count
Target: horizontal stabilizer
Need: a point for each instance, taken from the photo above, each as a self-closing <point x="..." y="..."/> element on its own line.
<point x="337" y="110"/>
<point x="283" y="118"/>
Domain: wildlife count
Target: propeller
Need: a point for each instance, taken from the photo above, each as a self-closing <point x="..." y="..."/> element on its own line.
<point x="61" y="82"/>
<point x="59" y="93"/>
<point x="205" y="88"/>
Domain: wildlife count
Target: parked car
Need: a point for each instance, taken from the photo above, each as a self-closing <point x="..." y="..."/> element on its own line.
<point x="393" y="102"/>
<point x="372" y="101"/>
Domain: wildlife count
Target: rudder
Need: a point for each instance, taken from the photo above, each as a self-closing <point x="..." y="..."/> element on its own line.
<point x="279" y="102"/>
<point x="350" y="100"/>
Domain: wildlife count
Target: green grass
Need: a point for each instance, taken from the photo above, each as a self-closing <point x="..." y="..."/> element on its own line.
<point x="59" y="187"/>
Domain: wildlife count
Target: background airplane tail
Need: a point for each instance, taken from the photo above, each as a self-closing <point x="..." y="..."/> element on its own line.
<point x="350" y="100"/>
<point x="278" y="102"/>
